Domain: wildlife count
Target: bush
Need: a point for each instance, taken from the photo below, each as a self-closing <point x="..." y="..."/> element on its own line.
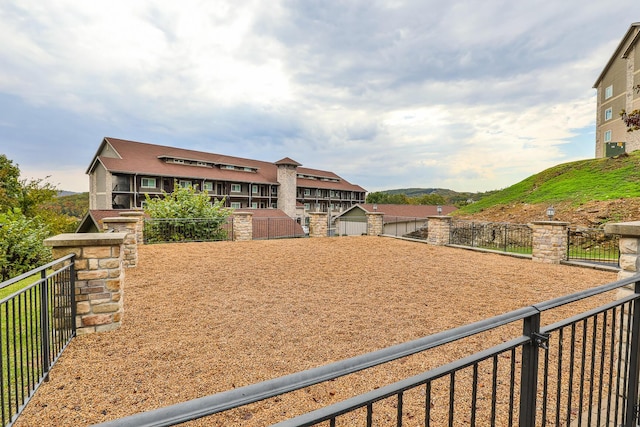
<point x="185" y="215"/>
<point x="21" y="244"/>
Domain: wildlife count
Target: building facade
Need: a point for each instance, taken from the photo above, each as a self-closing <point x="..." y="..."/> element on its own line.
<point x="617" y="87"/>
<point x="123" y="172"/>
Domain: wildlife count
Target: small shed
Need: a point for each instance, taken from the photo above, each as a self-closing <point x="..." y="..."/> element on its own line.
<point x="397" y="219"/>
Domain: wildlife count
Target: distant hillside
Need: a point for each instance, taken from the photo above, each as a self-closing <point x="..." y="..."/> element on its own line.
<point x="72" y="204"/>
<point x="451" y="197"/>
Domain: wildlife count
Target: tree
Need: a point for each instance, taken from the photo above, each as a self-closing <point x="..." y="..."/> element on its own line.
<point x="21" y="243"/>
<point x="185" y="214"/>
<point x="430" y="199"/>
<point x="9" y="183"/>
<point x="632" y="119"/>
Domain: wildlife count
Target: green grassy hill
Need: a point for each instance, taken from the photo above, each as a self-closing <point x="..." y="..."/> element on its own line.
<point x="572" y="184"/>
<point x="587" y="192"/>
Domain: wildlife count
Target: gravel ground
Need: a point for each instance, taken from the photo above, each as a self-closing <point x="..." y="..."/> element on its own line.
<point x="201" y="318"/>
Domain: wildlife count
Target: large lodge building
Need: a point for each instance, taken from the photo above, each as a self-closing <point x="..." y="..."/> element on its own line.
<point x="122" y="172"/>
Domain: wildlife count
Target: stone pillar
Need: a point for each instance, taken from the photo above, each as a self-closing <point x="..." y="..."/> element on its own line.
<point x="242" y="226"/>
<point x="99" y="281"/>
<point x="375" y="223"/>
<point x="629" y="246"/>
<point x="439" y="230"/>
<point x="139" y="216"/>
<point x="550" y="241"/>
<point x="318" y="224"/>
<point x="130" y="227"/>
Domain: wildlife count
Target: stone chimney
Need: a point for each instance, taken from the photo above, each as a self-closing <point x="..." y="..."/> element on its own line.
<point x="287" y="178"/>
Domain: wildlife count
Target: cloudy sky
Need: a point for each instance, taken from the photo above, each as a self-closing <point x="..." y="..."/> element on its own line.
<point x="465" y="95"/>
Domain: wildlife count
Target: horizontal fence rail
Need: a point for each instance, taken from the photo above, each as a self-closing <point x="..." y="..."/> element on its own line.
<point x="582" y="369"/>
<point x="37" y="322"/>
<point x="593" y="245"/>
<point x="276" y="228"/>
<point x="168" y="230"/>
<point x="512" y="238"/>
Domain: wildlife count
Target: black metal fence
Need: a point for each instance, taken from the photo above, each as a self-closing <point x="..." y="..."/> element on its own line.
<point x="405" y="226"/>
<point x="593" y="245"/>
<point x="37" y="322"/>
<point x="167" y="230"/>
<point x="276" y="228"/>
<point x="581" y="370"/>
<point x="512" y="238"/>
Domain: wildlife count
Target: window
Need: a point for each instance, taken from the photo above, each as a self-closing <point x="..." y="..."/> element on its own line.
<point x="178" y="161"/>
<point x="236" y="188"/>
<point x="202" y="164"/>
<point x="184" y="183"/>
<point x="254" y="205"/>
<point x="254" y="189"/>
<point x="148" y="183"/>
<point x="607" y="136"/>
<point x="274" y="205"/>
<point x="236" y="205"/>
<point x="333" y="193"/>
<point x="608" y="113"/>
<point x="208" y="186"/>
<point x="228" y="167"/>
<point x="307" y="191"/>
<point x="608" y="92"/>
<point x="307" y="206"/>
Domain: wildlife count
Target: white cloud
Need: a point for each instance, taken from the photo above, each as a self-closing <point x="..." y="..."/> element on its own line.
<point x="388" y="94"/>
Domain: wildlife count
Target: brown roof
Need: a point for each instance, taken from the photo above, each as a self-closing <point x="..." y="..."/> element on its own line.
<point x="95" y="216"/>
<point x="287" y="161"/>
<point x="404" y="211"/>
<point x="147" y="159"/>
<point x="617" y="53"/>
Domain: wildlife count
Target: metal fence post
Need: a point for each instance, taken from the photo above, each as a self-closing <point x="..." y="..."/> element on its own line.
<point x="44" y="321"/>
<point x="72" y="285"/>
<point x="631" y="414"/>
<point x="506" y="231"/>
<point x="473" y="232"/>
<point x="529" y="374"/>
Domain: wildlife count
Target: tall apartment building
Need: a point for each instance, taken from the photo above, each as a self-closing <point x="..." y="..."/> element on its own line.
<point x="122" y="172"/>
<point x="617" y="90"/>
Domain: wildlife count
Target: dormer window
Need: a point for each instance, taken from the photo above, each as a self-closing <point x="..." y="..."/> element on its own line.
<point x="180" y="161"/>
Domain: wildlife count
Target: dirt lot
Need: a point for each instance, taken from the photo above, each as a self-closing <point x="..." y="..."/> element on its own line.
<point x="591" y="214"/>
<point x="207" y="317"/>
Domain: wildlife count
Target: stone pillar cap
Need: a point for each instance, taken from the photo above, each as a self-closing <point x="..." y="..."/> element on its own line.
<point x="119" y="219"/>
<point x="631" y="228"/>
<point x="85" y="239"/>
<point x="132" y="213"/>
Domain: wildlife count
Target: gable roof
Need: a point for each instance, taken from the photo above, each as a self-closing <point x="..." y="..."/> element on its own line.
<point x="92" y="221"/>
<point x="401" y="211"/>
<point x="149" y="159"/>
<point x="624" y="44"/>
